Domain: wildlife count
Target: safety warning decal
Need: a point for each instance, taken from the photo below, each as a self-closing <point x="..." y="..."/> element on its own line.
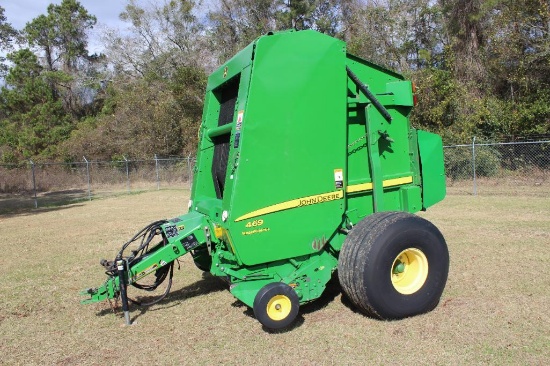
<point x="338" y="178"/>
<point x="240" y="116"/>
<point x="189" y="242"/>
<point x="171" y="231"/>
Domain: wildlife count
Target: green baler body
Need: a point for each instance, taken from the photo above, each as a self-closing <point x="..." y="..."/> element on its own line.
<point x="292" y="154"/>
<point x="294" y="151"/>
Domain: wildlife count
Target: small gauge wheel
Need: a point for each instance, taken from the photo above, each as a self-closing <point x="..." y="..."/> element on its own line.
<point x="276" y="305"/>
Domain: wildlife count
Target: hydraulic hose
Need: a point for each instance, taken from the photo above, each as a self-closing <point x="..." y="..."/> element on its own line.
<point x="145" y="236"/>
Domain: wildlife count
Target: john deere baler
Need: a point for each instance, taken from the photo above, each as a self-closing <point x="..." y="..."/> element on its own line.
<point x="306" y="165"/>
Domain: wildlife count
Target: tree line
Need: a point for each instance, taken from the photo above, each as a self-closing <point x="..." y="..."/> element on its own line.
<point x="481" y="68"/>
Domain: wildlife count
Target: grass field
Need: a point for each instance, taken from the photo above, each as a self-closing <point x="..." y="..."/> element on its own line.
<point x="494" y="309"/>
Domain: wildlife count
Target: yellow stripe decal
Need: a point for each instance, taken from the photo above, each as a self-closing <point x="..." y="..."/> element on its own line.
<point x="387" y="183"/>
<point x="298" y="202"/>
<point x="321" y="198"/>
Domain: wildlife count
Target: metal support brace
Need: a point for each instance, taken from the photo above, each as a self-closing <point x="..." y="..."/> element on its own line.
<point x="379" y="107"/>
<point x="374" y="161"/>
<point x="372" y="142"/>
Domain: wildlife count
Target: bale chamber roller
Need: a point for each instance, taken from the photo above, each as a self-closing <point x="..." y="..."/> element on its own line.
<point x="306" y="164"/>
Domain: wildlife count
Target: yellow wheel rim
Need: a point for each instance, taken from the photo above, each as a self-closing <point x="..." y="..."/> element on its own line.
<point x="279" y="307"/>
<point x="409" y="271"/>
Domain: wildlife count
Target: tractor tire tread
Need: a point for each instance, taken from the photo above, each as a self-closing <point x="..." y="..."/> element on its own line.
<point x="364" y="245"/>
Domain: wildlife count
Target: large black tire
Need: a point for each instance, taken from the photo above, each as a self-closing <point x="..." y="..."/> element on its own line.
<point x="276" y="305"/>
<point x="394" y="265"/>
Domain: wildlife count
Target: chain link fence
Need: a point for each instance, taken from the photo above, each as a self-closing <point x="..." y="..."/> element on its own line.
<point x="34" y="185"/>
<point x="499" y="168"/>
<point x="479" y="168"/>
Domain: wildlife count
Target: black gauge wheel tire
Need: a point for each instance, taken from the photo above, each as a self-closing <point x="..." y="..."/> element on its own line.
<point x="276" y="305"/>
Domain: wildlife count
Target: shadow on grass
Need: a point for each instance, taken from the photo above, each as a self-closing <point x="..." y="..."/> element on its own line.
<point x="332" y="290"/>
<point x="205" y="286"/>
<point x="349" y="304"/>
<point x="249" y="312"/>
<point x="35" y="211"/>
<point x="22" y="205"/>
<point x="209" y="284"/>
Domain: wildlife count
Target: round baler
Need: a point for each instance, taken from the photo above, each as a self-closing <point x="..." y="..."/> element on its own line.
<point x="306" y="165"/>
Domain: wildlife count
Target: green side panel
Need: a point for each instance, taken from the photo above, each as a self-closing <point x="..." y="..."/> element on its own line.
<point x="233" y="75"/>
<point x="390" y="142"/>
<point x="399" y="93"/>
<point x="433" y="168"/>
<point x="308" y="276"/>
<point x="291" y="142"/>
<point x="411" y="199"/>
<point x="283" y="160"/>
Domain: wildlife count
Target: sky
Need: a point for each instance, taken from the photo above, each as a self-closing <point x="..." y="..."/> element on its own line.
<point x="19" y="12"/>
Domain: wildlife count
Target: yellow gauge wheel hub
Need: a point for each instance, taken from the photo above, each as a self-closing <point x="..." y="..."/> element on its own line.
<point x="279" y="307"/>
<point x="409" y="271"/>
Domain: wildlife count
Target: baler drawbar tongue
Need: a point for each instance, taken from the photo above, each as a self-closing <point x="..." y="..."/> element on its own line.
<point x="153" y="250"/>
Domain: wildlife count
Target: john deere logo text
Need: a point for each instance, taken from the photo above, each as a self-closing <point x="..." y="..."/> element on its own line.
<point x="312" y="200"/>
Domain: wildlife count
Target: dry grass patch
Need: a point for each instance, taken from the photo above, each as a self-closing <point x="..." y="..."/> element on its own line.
<point x="493" y="310"/>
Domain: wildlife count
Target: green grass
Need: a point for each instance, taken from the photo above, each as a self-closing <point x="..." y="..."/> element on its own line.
<point x="493" y="311"/>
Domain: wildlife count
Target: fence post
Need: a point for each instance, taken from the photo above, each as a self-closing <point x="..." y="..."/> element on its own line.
<point x="190" y="170"/>
<point x="157" y="171"/>
<point x="34" y="184"/>
<point x="127" y="173"/>
<point x="474" y="164"/>
<point x="88" y="177"/>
